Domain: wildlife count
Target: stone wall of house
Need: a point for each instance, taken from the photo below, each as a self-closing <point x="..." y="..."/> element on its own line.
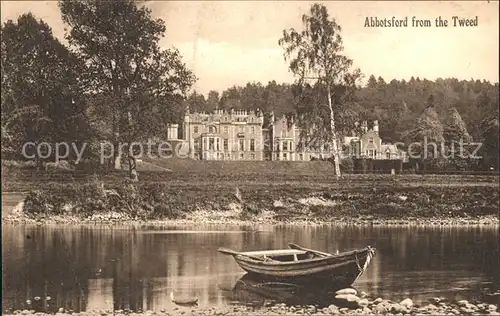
<point x="241" y="135"/>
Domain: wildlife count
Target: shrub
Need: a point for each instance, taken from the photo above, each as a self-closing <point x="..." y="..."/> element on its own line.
<point x="37" y="202"/>
<point x="165" y="211"/>
<point x="29" y="164"/>
<point x="347" y="165"/>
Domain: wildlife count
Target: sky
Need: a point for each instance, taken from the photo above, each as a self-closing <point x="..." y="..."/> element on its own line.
<point x="229" y="43"/>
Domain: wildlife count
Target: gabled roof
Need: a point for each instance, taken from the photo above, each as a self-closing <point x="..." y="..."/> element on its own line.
<point x="391" y="148"/>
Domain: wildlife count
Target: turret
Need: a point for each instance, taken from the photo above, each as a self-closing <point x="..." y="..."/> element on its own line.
<point x="364" y="126"/>
<point x="375" y="127"/>
<point x="186" y="115"/>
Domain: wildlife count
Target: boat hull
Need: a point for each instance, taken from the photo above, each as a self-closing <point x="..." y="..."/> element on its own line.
<point x="335" y="270"/>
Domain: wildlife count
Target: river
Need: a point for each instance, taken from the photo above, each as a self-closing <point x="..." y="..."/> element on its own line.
<point x="92" y="267"/>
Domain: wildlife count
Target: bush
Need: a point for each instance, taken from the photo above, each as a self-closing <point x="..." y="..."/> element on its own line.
<point x="38" y="202"/>
<point x="30" y="164"/>
<point x="347" y="165"/>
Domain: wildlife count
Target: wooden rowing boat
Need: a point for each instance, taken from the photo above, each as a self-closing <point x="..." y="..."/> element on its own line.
<point x="303" y="266"/>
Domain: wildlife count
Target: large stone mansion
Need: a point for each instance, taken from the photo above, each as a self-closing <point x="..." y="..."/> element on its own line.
<point x="241" y="135"/>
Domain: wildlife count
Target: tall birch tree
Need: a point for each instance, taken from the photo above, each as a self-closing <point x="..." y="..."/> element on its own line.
<point x="316" y="53"/>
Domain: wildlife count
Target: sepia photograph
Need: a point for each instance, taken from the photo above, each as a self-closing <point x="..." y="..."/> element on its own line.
<point x="250" y="157"/>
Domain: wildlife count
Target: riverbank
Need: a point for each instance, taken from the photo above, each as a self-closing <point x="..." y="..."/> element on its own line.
<point x="95" y="202"/>
<point x="348" y="304"/>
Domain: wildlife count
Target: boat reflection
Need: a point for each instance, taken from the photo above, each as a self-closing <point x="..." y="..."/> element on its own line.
<point x="254" y="291"/>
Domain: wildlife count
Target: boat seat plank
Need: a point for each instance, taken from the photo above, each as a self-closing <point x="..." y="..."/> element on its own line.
<point x="271" y="253"/>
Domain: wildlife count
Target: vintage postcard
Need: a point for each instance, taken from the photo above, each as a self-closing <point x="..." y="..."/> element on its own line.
<point x="250" y="157"/>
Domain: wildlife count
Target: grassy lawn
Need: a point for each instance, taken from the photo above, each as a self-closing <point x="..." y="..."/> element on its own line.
<point x="313" y="174"/>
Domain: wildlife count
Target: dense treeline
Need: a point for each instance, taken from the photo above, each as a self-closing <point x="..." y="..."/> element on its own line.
<point x="443" y="110"/>
<point x="397" y="104"/>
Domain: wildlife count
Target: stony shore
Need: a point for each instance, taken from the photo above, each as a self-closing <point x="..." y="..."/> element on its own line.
<point x="347" y="304"/>
<point x="161" y="204"/>
<point x="121" y="220"/>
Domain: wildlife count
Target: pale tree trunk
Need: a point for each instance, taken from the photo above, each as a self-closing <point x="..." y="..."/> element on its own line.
<point x="132" y="169"/>
<point x="132" y="163"/>
<point x="116" y="160"/>
<point x="336" y="155"/>
<point x="117" y="157"/>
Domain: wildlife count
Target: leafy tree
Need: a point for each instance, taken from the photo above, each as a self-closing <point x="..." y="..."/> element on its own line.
<point x="119" y="42"/>
<point x="490" y="140"/>
<point x="212" y="100"/>
<point x="252" y="96"/>
<point x="278" y="98"/>
<point x="231" y="98"/>
<point x="42" y="100"/>
<point x="458" y="139"/>
<point x="380" y="82"/>
<point x="430" y="101"/>
<point x="428" y="129"/>
<point x="197" y="102"/>
<point x="455" y="129"/>
<point x="372" y="82"/>
<point x="316" y="52"/>
<point x="429" y="126"/>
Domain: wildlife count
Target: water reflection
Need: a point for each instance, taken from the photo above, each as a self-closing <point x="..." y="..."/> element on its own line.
<point x="115" y="268"/>
<point x="255" y="292"/>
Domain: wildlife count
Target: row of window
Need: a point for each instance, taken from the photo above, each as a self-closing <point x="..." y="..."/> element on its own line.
<point x="284" y="156"/>
<point x="373" y="154"/>
<point x="213" y="129"/>
<point x="214" y="144"/>
<point x="227" y="156"/>
<point x="285" y="146"/>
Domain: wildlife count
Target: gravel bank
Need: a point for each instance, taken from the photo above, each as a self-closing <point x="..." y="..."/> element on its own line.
<point x="353" y="305"/>
<point x="163" y="204"/>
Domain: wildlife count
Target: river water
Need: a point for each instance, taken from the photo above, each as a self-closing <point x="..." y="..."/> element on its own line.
<point x="86" y="268"/>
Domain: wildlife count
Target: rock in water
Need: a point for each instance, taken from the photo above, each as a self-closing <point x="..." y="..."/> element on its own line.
<point x="435" y="300"/>
<point x="363" y="302"/>
<point x="347" y="291"/>
<point x="347" y="297"/>
<point x="408" y="303"/>
<point x="381" y="309"/>
<point x="333" y="309"/>
<point x="347" y="300"/>
<point x="462" y="302"/>
<point x="184" y="301"/>
<point x="397" y="308"/>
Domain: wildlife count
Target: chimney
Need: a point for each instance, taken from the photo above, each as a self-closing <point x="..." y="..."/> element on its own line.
<point x="355" y="130"/>
<point x="364" y="127"/>
<point x="375" y="127"/>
